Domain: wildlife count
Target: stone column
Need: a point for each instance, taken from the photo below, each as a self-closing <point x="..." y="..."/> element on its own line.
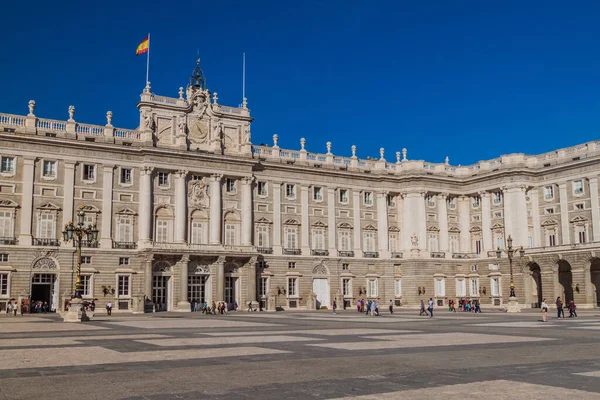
<point x="69" y="193"/>
<point x="215" y="212"/>
<point x="220" y="284"/>
<point x="145" y="207"/>
<point x="305" y="225"/>
<point x="277" y="249"/>
<point x="356" y="220"/>
<point x="107" y="202"/>
<point x="331" y="245"/>
<point x="508" y="214"/>
<point x="382" y="224"/>
<point x="421" y="220"/>
<point x="400" y="220"/>
<point x="595" y="209"/>
<point x="25" y="238"/>
<point x="520" y="225"/>
<point x="180" y="207"/>
<point x="443" y="220"/>
<point x="148" y="277"/>
<point x="486" y="222"/>
<point x="564" y="214"/>
<point x="247" y="211"/>
<point x="535" y="217"/>
<point x="464" y="223"/>
<point x="251" y="280"/>
<point x="183" y="305"/>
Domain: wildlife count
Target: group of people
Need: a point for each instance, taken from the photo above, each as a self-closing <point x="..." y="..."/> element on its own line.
<point x="464" y="305"/>
<point x="214" y="308"/>
<point x="36" y="307"/>
<point x="559" y="309"/>
<point x="370" y="307"/>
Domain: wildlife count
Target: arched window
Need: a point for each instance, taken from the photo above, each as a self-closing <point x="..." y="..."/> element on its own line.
<point x="231" y="229"/>
<point x="163" y="232"/>
<point x="198" y="227"/>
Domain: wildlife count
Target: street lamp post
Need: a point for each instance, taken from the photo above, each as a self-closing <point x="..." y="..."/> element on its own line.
<point x="513" y="304"/>
<point x="76" y="232"/>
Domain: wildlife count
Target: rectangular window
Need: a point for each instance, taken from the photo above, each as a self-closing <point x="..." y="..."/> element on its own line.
<point x="495" y="287"/>
<point x="345" y="267"/>
<point x="552" y="239"/>
<point x="432" y="241"/>
<point x="261" y="187"/>
<point x="123" y="260"/>
<point x="578" y="187"/>
<point x="86" y="259"/>
<point x="581" y="236"/>
<point x="530" y="241"/>
<point x="454" y="244"/>
<point x="292" y="287"/>
<point x="124" y="229"/>
<point x="474" y="287"/>
<point x="6" y="224"/>
<point x="440" y="287"/>
<point x="398" y="287"/>
<point x="291" y="238"/>
<point x="500" y="242"/>
<point x="89" y="172"/>
<point x="452" y="203"/>
<point x="579" y="206"/>
<point x="369" y="242"/>
<point x="476" y="201"/>
<point x="262" y="236"/>
<point x="290" y="191"/>
<point x="3" y="257"/>
<point x="346" y="288"/>
<point x="123" y="285"/>
<point x="230" y="185"/>
<point x="372" y="288"/>
<point x="497" y="214"/>
<point x="548" y="193"/>
<point x="461" y="288"/>
<point x="430" y="200"/>
<point x="478" y="246"/>
<point x="162" y="231"/>
<point x="344" y="196"/>
<point x="391" y="200"/>
<point x="497" y="197"/>
<point x="4" y="284"/>
<point x="263" y="287"/>
<point x="393" y="242"/>
<point x="345" y="240"/>
<point x="549" y="211"/>
<point x="197" y="233"/>
<point x="86" y="284"/>
<point x="317" y="193"/>
<point x="49" y="169"/>
<point x="7" y="164"/>
<point x="368" y="198"/>
<point x="126" y="176"/>
<point x="163" y="179"/>
<point x="318" y="239"/>
<point x="47" y="228"/>
<point x="291" y="265"/>
<point x="230" y="235"/>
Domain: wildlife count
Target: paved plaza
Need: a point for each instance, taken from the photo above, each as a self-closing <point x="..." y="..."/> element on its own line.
<point x="301" y="355"/>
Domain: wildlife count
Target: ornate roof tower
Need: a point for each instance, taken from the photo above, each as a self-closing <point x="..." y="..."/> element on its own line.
<point x="197" y="80"/>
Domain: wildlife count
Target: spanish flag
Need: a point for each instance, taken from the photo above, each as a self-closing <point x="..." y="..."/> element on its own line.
<point x="143" y="47"/>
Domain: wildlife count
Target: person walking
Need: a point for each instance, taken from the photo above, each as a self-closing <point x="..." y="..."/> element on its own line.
<point x="391" y="307"/>
<point x="572" y="308"/>
<point x="423" y="311"/>
<point x="334" y="305"/>
<point x="109" y="308"/>
<point x="544" y="311"/>
<point x="559" y="307"/>
<point x="430" y="308"/>
<point x="358" y="306"/>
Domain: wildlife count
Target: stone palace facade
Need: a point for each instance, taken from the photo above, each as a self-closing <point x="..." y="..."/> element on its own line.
<point x="188" y="208"/>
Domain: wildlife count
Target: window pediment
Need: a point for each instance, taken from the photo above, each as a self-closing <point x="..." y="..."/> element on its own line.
<point x="263" y="220"/>
<point x="319" y="224"/>
<point x="370" y="228"/>
<point x="393" y="229"/>
<point x="550" y="222"/>
<point x="126" y="211"/>
<point x="475" y="229"/>
<point x="8" y="203"/>
<point x="454" y="230"/>
<point x="49" y="207"/>
<point x="291" y="222"/>
<point x="91" y="209"/>
<point x="344" y="225"/>
<point x="497" y="226"/>
<point x="579" y="218"/>
<point x="433" y="229"/>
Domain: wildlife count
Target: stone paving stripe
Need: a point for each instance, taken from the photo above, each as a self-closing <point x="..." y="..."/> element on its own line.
<point x="189" y="323"/>
<point x="72" y="340"/>
<point x="518" y="324"/>
<point x="428" y="340"/>
<point x="223" y="340"/>
<point x="47" y="327"/>
<point x="324" y="332"/>
<point x="44" y="358"/>
<point x="500" y="389"/>
<point x="594" y="374"/>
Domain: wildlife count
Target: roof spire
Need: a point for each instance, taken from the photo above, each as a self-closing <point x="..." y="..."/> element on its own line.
<point x="197" y="80"/>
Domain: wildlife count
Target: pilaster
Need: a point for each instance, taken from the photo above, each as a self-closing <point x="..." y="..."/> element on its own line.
<point x="215" y="211"/>
<point x="68" y="192"/>
<point x="247" y="211"/>
<point x="25" y="238"/>
<point x="442" y="206"/>
<point x="180" y="207"/>
<point x="564" y="213"/>
<point x="305" y="225"/>
<point x="277" y="249"/>
<point x="331" y="242"/>
<point x="356" y="219"/>
<point x="145" y="207"/>
<point x="464" y="223"/>
<point x="107" y="202"/>
<point x="183" y="305"/>
<point x="595" y="208"/>
<point x="382" y="224"/>
<point x="535" y="217"/>
<point x="220" y="275"/>
<point x="486" y="222"/>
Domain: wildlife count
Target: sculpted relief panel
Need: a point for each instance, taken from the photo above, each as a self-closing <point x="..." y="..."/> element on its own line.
<point x="198" y="194"/>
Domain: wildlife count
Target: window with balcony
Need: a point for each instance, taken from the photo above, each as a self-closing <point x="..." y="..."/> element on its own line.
<point x="369" y="241"/>
<point x="393" y="242"/>
<point x="453" y="241"/>
<point x="197" y="233"/>
<point x="290" y="191"/>
<point x="89" y="172"/>
<point x="262" y="236"/>
<point x="125" y="229"/>
<point x="230" y="234"/>
<point x="317" y="193"/>
<point x="261" y="188"/>
<point x="6" y="225"/>
<point x="432" y="242"/>
<point x="47" y="226"/>
<point x="551" y="238"/>
<point x="49" y="169"/>
<point x="580" y="234"/>
<point x="345" y="240"/>
<point x="318" y="239"/>
<point x="368" y="198"/>
<point x="343" y="196"/>
<point x="291" y="238"/>
<point x="162" y="231"/>
<point x="7" y="165"/>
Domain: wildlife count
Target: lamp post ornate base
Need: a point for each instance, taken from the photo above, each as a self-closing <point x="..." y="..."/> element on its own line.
<point x="513" y="305"/>
<point x="76" y="312"/>
<point x="183" y="306"/>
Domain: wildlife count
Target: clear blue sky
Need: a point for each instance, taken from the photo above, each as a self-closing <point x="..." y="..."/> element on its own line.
<point x="467" y="79"/>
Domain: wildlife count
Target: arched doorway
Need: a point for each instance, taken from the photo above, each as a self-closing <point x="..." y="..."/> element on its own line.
<point x="536" y="284"/>
<point x="565" y="279"/>
<point x="595" y="276"/>
<point x="162" y="285"/>
<point x="320" y="286"/>
<point x="44" y="283"/>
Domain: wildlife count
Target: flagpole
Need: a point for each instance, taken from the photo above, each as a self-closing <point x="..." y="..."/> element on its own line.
<point x="243" y="76"/>
<point x="148" y="60"/>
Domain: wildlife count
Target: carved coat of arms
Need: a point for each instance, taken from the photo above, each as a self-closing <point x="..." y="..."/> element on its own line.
<point x="198" y="194"/>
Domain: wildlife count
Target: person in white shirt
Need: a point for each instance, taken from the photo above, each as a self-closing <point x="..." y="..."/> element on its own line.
<point x="544" y="311"/>
<point x="430" y="308"/>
